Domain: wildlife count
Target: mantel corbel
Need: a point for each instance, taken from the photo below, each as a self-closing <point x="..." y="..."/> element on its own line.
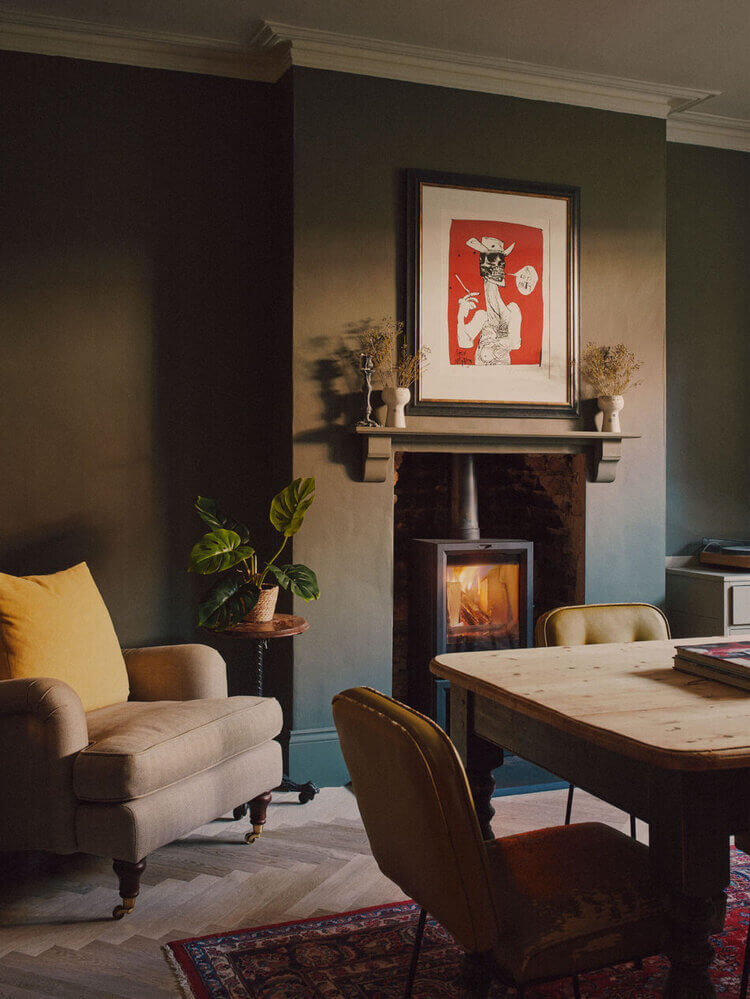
<point x="604" y="450"/>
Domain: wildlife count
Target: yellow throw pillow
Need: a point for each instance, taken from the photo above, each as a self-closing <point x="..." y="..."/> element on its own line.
<point x="58" y="626"/>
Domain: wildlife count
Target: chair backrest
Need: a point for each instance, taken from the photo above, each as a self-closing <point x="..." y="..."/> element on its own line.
<point x="418" y="812"/>
<point x="595" y="624"/>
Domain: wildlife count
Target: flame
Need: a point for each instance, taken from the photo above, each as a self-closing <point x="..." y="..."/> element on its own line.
<point x="482" y="594"/>
<point x="468" y="576"/>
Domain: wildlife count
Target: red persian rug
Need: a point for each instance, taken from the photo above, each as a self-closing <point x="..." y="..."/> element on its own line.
<point x="365" y="955"/>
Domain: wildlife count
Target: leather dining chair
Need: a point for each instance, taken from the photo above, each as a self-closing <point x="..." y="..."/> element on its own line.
<point x="596" y="624"/>
<point x="532" y="907"/>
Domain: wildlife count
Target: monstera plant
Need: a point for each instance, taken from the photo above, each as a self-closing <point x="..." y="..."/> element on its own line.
<point x="225" y="551"/>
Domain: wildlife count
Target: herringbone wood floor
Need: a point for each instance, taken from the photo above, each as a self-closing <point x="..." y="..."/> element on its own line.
<point x="57" y="938"/>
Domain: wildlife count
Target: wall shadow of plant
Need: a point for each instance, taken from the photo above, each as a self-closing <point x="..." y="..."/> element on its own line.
<point x="336" y="369"/>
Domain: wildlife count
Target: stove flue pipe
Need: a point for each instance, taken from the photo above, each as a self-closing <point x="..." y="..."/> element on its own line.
<point x="464" y="516"/>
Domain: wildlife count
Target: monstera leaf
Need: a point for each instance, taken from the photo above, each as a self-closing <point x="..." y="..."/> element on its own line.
<point x="288" y="507"/>
<point x="218" y="551"/>
<point x="227" y="602"/>
<point x="208" y="511"/>
<point x="297" y="578"/>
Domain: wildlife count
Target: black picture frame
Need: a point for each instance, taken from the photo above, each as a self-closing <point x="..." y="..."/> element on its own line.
<point x="561" y="408"/>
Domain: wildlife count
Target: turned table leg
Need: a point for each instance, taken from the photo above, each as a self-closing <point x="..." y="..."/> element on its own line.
<point x="689" y="949"/>
<point x="479" y="756"/>
<point x="689" y="855"/>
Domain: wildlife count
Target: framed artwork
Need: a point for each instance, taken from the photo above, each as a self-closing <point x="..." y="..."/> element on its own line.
<point x="494" y="295"/>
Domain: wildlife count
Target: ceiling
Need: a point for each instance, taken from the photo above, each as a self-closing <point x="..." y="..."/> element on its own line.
<point x="677" y="43"/>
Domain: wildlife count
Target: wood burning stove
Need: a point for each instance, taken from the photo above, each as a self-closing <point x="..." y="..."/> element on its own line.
<point x="467" y="596"/>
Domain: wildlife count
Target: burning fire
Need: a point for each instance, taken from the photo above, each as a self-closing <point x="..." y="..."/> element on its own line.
<point x="482" y="595"/>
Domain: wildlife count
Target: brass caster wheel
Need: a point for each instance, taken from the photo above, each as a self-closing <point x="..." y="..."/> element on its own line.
<point x="254" y="834"/>
<point x="124" y="909"/>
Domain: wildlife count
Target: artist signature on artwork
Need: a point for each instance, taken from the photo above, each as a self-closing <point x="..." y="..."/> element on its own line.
<point x="464" y="357"/>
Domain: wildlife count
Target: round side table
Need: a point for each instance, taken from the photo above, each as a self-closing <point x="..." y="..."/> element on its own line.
<point x="260" y="633"/>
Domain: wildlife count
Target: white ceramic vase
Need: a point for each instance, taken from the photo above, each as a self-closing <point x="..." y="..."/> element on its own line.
<point x="395" y="399"/>
<point x="610" y="405"/>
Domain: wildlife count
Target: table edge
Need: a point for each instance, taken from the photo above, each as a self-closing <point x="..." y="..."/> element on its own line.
<point x="669" y="759"/>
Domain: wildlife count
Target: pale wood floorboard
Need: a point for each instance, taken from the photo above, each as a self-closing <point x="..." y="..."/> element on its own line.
<point x="57" y="938"/>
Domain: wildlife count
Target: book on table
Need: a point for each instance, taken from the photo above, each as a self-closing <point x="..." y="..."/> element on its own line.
<point x="727" y="662"/>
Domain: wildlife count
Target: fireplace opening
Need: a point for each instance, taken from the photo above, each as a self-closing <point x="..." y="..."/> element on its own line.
<point x="539" y="498"/>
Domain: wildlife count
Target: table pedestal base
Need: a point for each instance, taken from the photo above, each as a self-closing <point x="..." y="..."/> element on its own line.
<point x="259" y="633"/>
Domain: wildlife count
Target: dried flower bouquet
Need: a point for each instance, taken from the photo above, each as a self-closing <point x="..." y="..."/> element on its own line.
<point x="609" y="370"/>
<point x="393" y="365"/>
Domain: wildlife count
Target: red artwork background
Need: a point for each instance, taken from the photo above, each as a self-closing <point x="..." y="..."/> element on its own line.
<point x="464" y="261"/>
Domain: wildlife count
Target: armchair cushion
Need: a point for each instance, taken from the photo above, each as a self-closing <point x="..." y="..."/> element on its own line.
<point x="58" y="626"/>
<point x="139" y="747"/>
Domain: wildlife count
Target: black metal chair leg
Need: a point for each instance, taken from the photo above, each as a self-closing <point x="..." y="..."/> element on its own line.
<point x="569" y="806"/>
<point x="415" y="952"/>
<point x="745" y="967"/>
<point x="576" y="987"/>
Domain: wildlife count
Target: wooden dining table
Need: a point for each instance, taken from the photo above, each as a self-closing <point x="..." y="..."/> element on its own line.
<point x="620" y="722"/>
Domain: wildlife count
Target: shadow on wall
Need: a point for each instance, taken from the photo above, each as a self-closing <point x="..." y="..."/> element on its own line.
<point x="51" y="549"/>
<point x="335" y="369"/>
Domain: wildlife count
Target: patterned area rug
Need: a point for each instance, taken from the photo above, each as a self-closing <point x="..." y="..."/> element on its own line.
<point x="365" y="955"/>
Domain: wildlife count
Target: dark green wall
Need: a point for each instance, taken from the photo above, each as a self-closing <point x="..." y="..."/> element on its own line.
<point x="708" y="345"/>
<point x="147" y="253"/>
<point x="354" y="138"/>
<point x="145" y="280"/>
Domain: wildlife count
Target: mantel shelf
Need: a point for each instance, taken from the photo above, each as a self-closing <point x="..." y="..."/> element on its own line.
<point x="379" y="443"/>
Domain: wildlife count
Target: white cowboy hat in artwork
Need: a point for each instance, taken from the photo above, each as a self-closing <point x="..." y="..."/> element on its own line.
<point x="489" y="244"/>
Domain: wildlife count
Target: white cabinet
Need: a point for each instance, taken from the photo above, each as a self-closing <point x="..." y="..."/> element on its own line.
<point x="702" y="602"/>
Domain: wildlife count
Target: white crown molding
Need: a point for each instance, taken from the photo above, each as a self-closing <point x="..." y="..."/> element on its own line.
<point x="264" y="59"/>
<point x="463" y="71"/>
<point x="273" y="47"/>
<point x="699" y="129"/>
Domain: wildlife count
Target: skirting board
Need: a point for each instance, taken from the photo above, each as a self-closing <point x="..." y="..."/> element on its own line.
<point x="315" y="754"/>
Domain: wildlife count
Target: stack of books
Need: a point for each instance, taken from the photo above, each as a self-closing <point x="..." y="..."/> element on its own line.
<point x="727" y="662"/>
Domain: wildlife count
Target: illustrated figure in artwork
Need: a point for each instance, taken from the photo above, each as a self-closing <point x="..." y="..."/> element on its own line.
<point x="498" y="326"/>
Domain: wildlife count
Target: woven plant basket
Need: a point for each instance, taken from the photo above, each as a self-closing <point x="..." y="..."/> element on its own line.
<point x="266" y="605"/>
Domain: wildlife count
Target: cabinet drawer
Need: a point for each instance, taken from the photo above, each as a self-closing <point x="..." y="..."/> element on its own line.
<point x="741" y="604"/>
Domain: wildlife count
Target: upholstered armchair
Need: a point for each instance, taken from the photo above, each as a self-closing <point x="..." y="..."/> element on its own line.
<point x="124" y="779"/>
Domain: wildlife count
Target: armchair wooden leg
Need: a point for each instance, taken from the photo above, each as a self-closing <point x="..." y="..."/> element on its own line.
<point x="129" y="875"/>
<point x="258" y="808"/>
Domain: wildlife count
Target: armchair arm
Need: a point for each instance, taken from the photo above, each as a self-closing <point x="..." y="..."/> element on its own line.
<point x="42" y="730"/>
<point x="175" y="673"/>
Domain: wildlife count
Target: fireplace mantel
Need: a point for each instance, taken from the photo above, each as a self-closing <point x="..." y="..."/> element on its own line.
<point x="603" y="449"/>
